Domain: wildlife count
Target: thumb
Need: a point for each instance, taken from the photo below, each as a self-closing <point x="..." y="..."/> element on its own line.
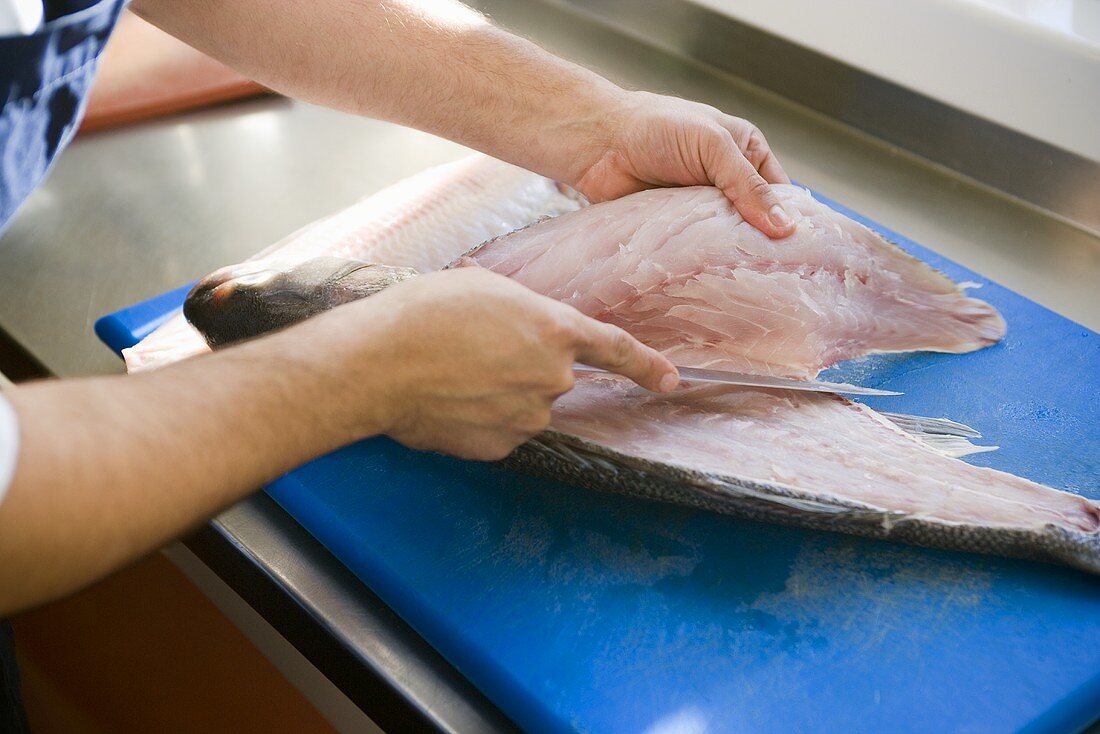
<point x="607" y="346"/>
<point x="751" y="195"/>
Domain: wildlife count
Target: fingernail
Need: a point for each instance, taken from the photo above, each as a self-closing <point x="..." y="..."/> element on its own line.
<point x="778" y="217"/>
<point x="669" y="382"/>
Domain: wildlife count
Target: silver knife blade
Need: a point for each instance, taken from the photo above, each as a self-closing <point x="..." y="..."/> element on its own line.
<point x="695" y="374"/>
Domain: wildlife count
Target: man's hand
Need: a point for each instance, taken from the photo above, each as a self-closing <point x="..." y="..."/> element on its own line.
<point x="469" y="363"/>
<point x="653" y="140"/>
<point x="464" y="361"/>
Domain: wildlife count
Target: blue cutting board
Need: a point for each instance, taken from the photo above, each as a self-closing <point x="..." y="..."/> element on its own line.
<point x="574" y="609"/>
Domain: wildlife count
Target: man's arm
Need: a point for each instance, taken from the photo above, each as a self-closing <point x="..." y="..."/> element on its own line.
<point x="441" y="67"/>
<point x="110" y="468"/>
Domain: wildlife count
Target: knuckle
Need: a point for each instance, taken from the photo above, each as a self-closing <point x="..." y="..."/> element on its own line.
<point x="500" y="449"/>
<point x="706" y="109"/>
<point x="554" y="330"/>
<point x="715" y="141"/>
<point x="756" y="142"/>
<point x="740" y="129"/>
<point x="714" y="130"/>
<point x="483" y="453"/>
<point x="489" y="448"/>
<point x="535" y="422"/>
<point x="532" y="417"/>
<point x="563" y="383"/>
<point x="622" y="347"/>
<point x="757" y="187"/>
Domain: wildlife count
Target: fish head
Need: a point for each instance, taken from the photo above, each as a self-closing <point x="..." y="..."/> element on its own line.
<point x="246" y="300"/>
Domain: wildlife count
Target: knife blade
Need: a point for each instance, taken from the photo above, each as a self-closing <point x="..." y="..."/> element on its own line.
<point x="695" y="374"/>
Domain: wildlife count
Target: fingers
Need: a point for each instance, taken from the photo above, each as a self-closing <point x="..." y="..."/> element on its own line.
<point x="486" y="430"/>
<point x="769" y="168"/>
<point x="756" y="149"/>
<point x="610" y="348"/>
<point x="476" y="444"/>
<point x="749" y="191"/>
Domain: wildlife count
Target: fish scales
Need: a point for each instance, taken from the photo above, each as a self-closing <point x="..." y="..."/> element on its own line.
<point x="810" y="460"/>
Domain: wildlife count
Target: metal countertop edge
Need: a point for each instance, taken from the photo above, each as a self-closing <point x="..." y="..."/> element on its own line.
<point x="390" y="672"/>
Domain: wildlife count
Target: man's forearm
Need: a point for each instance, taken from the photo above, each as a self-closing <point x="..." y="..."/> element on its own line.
<point x="111" y="468"/>
<point x="437" y="66"/>
<point x="464" y="361"/>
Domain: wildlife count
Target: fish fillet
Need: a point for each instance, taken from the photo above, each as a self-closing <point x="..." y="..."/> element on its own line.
<point x="683" y="272"/>
<point x="806" y="459"/>
<point x="712" y="429"/>
<point x="420" y="222"/>
<point x="811" y="460"/>
<point x="146" y="73"/>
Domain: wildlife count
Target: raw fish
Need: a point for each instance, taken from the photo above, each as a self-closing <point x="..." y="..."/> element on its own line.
<point x="812" y="460"/>
<point x="420" y="222"/>
<point x="806" y="459"/>
<point x="682" y="271"/>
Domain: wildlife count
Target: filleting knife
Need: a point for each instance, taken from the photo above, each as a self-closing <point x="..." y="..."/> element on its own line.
<point x="695" y="374"/>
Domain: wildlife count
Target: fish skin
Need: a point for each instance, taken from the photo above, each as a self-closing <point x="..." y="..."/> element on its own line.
<point x="682" y="271"/>
<point x="423" y="222"/>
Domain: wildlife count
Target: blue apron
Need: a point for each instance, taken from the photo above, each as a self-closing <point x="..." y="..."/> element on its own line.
<point x="44" y="81"/>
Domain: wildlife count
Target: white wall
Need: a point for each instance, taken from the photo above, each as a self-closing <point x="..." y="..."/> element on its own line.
<point x="1031" y="65"/>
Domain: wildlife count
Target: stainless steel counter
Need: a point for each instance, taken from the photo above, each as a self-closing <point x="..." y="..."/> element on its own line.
<point x="133" y="212"/>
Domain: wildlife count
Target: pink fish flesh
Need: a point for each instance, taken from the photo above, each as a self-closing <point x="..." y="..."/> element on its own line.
<point x="682" y="271"/>
<point x="717" y="429"/>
